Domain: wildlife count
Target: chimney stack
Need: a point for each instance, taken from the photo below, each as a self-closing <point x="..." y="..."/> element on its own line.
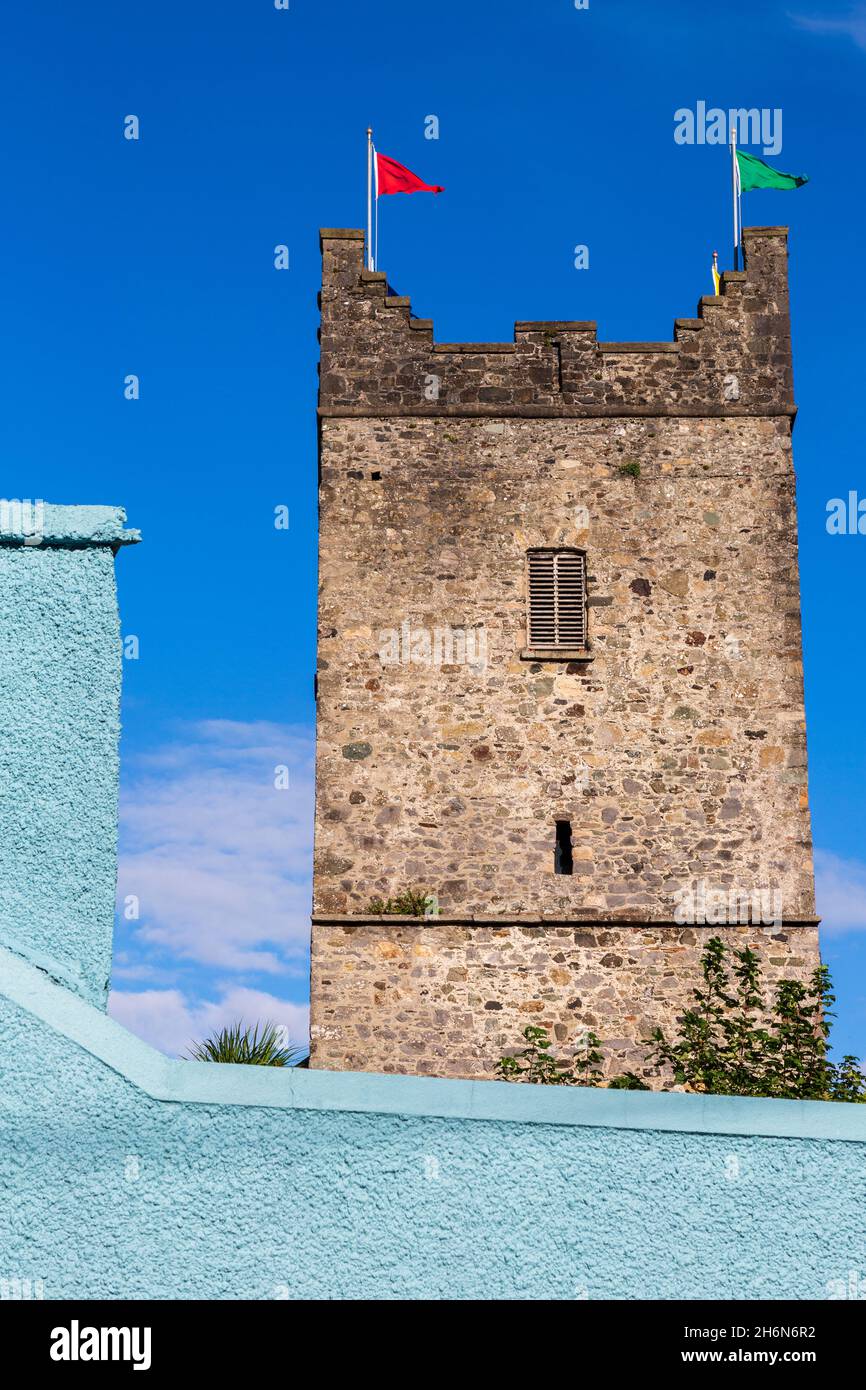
<point x="60" y="675"/>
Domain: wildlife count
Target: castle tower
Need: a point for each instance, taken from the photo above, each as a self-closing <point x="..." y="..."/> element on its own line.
<point x="560" y="680"/>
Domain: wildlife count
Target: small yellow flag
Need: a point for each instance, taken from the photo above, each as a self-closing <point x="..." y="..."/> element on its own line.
<point x="717" y="279"/>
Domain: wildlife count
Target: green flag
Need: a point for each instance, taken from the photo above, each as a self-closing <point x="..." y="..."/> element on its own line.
<point x="754" y="173"/>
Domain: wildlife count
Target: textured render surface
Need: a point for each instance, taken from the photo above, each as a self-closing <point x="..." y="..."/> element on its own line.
<point x="57" y="524"/>
<point x="107" y="1191"/>
<point x="60" y="672"/>
<point x="444" y="999"/>
<point x="677" y="754"/>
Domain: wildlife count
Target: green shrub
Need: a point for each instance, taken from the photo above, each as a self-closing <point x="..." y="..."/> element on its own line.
<point x="534" y="1063"/>
<point x="409" y="903"/>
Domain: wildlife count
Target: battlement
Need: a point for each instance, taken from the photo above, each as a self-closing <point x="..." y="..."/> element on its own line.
<point x="732" y="359"/>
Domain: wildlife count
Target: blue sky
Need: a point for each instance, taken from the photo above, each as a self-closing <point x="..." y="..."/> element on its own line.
<point x="156" y="257"/>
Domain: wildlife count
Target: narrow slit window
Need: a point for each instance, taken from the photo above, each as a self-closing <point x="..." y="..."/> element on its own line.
<point x="557" y="598"/>
<point x="563" y="858"/>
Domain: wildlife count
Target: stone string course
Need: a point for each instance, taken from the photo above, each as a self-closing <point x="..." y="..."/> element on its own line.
<point x="677" y="752"/>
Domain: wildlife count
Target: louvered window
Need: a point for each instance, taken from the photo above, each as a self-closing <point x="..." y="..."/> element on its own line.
<point x="557" y="598"/>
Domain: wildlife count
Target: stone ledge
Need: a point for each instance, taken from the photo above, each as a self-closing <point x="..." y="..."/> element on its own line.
<point x="497" y="410"/>
<point x="638" y="347"/>
<point x="474" y="347"/>
<point x="546" y="919"/>
<point x="341" y="234"/>
<point x="556" y="326"/>
<point x="747" y="232"/>
<point x="556" y="654"/>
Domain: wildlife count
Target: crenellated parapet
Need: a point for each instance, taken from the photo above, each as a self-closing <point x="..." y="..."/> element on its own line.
<point x="733" y="358"/>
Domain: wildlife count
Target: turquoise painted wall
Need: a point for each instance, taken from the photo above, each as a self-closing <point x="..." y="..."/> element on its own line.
<point x="60" y="663"/>
<point x="126" y="1174"/>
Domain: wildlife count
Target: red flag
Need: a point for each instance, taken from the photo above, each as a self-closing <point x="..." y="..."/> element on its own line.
<point x="392" y="177"/>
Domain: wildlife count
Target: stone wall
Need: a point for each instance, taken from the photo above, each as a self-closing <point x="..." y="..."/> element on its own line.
<point x="677" y="753"/>
<point x="447" y="751"/>
<point x="450" y="999"/>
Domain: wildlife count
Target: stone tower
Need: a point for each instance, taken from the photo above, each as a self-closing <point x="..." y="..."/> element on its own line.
<point x="594" y="792"/>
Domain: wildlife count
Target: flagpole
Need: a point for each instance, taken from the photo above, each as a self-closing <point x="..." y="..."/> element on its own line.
<point x="740" y="212"/>
<point x="734" y="194"/>
<point x="376" y="210"/>
<point x="371" y="265"/>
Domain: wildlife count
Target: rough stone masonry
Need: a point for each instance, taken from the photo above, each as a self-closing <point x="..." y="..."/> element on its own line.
<point x="672" y="745"/>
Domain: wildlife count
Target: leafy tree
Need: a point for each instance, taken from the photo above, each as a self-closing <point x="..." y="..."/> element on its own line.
<point x="731" y="1044"/>
<point x="728" y="1043"/>
<point x="847" y="1080"/>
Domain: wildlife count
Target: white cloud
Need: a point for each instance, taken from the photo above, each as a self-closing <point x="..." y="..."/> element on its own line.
<point x="166" y="1019"/>
<point x="218" y="858"/>
<point x="840" y="889"/>
<point x="851" y="25"/>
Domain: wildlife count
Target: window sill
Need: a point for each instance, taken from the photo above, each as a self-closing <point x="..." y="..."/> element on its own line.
<point x="556" y="654"/>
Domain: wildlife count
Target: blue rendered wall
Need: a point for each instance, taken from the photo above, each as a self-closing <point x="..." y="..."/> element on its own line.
<point x="126" y="1174"/>
<point x="60" y="662"/>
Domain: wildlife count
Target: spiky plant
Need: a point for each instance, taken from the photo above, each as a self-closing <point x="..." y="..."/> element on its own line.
<point x="261" y="1046"/>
